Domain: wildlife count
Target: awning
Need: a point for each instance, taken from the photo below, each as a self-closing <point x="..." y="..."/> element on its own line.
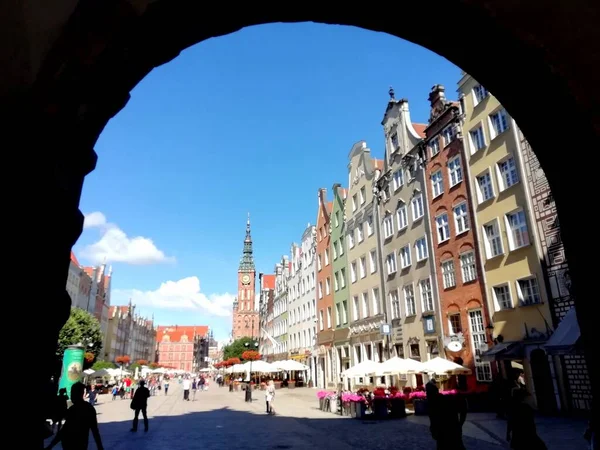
<point x="564" y="339"/>
<point x="504" y="351"/>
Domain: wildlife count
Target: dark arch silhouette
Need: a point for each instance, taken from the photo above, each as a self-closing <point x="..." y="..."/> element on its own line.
<point x="69" y="67"/>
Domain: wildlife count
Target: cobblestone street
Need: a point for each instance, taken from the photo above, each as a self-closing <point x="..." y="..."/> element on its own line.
<point x="219" y="419"/>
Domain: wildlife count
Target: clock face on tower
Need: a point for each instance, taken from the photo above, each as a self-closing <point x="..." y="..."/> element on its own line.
<point x="246" y="279"/>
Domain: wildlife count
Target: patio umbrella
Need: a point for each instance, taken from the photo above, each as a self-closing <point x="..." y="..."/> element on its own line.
<point x="362" y="369"/>
<point x="441" y="365"/>
<point x="400" y="365"/>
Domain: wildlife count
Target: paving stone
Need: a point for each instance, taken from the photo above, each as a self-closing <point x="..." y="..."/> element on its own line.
<point x="218" y="419"/>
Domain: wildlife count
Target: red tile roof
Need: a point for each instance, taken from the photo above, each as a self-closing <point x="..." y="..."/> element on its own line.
<point x="175" y="332"/>
<point x="268" y="281"/>
<point x="329" y="207"/>
<point x="378" y="163"/>
<point x="74" y="259"/>
<point x="420" y="129"/>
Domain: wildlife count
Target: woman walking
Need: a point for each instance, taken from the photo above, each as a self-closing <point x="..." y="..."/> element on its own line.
<point x="269" y="397"/>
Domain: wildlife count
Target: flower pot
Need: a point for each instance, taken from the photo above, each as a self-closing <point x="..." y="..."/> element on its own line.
<point x="291" y="384"/>
<point x="322" y="403"/>
<point x="380" y="408"/>
<point x="358" y="410"/>
<point x="397" y="408"/>
<point x="277" y="384"/>
<point x="346" y="408"/>
<point x="421" y="407"/>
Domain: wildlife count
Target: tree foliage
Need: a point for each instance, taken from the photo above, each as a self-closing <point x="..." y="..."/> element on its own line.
<point x="81" y="328"/>
<point x="250" y="355"/>
<point x="237" y="347"/>
<point x="99" y="365"/>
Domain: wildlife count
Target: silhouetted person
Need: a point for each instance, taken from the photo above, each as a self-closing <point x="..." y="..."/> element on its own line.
<point x="60" y="409"/>
<point x="520" y="429"/>
<point x="80" y="420"/>
<point x="431" y="388"/>
<point x="140" y="403"/>
<point x="447" y="414"/>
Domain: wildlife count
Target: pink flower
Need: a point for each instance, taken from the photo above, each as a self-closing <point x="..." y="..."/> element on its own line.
<point x="322" y="394"/>
<point x="352" y="398"/>
<point x="449" y="392"/>
<point x="417" y="395"/>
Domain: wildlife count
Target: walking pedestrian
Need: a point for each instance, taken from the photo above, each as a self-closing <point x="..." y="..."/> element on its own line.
<point x="139" y="403"/>
<point x="186" y="389"/>
<point x="194" y="388"/>
<point x="270" y="396"/>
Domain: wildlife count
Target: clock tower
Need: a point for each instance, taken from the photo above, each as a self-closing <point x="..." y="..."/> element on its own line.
<point x="245" y="313"/>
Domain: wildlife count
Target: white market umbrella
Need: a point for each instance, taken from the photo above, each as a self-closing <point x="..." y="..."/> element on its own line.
<point x="443" y="366"/>
<point x="403" y="366"/>
<point x="260" y="366"/>
<point x="364" y="368"/>
<point x="160" y="370"/>
<point x="289" y="365"/>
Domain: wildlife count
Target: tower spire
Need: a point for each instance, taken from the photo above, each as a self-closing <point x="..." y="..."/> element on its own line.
<point x="247" y="261"/>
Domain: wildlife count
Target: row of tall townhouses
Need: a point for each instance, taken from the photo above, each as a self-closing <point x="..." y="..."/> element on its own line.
<point x="129" y="334"/>
<point x="448" y="246"/>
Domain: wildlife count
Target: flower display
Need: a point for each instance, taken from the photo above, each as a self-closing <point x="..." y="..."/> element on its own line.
<point x="449" y="392"/>
<point x="417" y="395"/>
<point x="379" y="393"/>
<point x="350" y="397"/>
<point x="323" y="394"/>
<point x="398" y="394"/>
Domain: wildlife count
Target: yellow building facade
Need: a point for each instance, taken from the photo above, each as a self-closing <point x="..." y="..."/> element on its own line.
<point x="510" y="251"/>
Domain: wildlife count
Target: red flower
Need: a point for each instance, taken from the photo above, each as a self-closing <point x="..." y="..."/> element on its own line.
<point x="124" y="359"/>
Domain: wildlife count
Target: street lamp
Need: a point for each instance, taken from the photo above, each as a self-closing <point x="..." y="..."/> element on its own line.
<point x="254" y="346"/>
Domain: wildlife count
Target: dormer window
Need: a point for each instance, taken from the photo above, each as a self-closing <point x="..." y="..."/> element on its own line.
<point x="480" y="93"/>
<point x="449" y="134"/>
<point x="394" y="140"/>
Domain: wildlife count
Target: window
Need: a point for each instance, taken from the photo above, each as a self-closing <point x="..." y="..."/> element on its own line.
<point x="329" y="317"/>
<point x="338" y="313"/>
<point x="391" y="263"/>
<point x="337" y="219"/>
<point x="321" y="320"/>
<point x="448" y="275"/>
<point x="398" y="179"/>
<point x="353" y="277"/>
<point x="345" y="311"/>
<point x="485" y="190"/>
<point x="468" y="267"/>
<point x="518" y="235"/>
<point x="426" y="295"/>
<point x="350" y="239"/>
<point x="336" y="281"/>
<point x="326" y="256"/>
<point x="356" y="307"/>
<point x="320" y="289"/>
<point x="327" y="286"/>
<point x="409" y="298"/>
<point x="421" y="249"/>
<point x="449" y="133"/>
<point x="455" y="171"/>
<point x="417" y="207"/>
<point x="483" y="371"/>
<point x="443" y="229"/>
<point x="493" y="241"/>
<point x="388" y="226"/>
<point x="354" y="203"/>
<point x="405" y="257"/>
<point x="318" y="262"/>
<point x="365" y="304"/>
<point x="359" y="233"/>
<point x="437" y="183"/>
<point x="363" y="267"/>
<point x="375" y="296"/>
<point x="434" y="146"/>
<point x="480" y="93"/>
<point x="528" y="291"/>
<point x="363" y="196"/>
<point x="370" y="228"/>
<point x="455" y="325"/>
<point x="502" y="296"/>
<point x="401" y="217"/>
<point x="499" y="122"/>
<point x="395" y="301"/>
<point x="394" y="141"/>
<point x="415" y="351"/>
<point x="341" y="245"/>
<point x="461" y="218"/>
<point x="373" y="261"/>
<point x="477" y="138"/>
<point x="508" y="174"/>
<point x="342" y="278"/>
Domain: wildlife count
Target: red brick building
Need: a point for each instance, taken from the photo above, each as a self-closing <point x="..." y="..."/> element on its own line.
<point x="325" y="311"/>
<point x="175" y="345"/>
<point x="459" y="274"/>
<point x="245" y="312"/>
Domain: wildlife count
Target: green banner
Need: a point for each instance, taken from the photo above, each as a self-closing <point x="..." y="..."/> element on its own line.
<point x="72" y="367"/>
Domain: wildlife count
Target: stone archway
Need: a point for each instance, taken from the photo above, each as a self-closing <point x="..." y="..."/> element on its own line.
<point x="68" y="68"/>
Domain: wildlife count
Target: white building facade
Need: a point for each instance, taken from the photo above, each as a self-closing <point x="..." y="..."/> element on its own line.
<point x="280" y="310"/>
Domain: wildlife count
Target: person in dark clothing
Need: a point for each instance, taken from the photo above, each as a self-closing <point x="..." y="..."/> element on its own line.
<point x="60" y="409"/>
<point x="80" y="420"/>
<point x="447" y="414"/>
<point x="140" y="403"/>
<point x="521" y="431"/>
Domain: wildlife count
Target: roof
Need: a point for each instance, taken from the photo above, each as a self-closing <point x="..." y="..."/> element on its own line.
<point x="420" y="129"/>
<point x="329" y="206"/>
<point x="176" y="332"/>
<point x="564" y="339"/>
<point x="378" y="164"/>
<point x="74" y="259"/>
<point x="268" y="281"/>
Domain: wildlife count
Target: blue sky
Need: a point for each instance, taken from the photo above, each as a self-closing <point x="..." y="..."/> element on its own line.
<point x="256" y="122"/>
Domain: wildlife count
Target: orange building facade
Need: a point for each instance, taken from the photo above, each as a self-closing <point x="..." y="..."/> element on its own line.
<point x="459" y="274"/>
<point x="176" y="346"/>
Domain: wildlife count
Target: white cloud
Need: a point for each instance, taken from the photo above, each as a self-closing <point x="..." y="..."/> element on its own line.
<point x="115" y="246"/>
<point x="184" y="294"/>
